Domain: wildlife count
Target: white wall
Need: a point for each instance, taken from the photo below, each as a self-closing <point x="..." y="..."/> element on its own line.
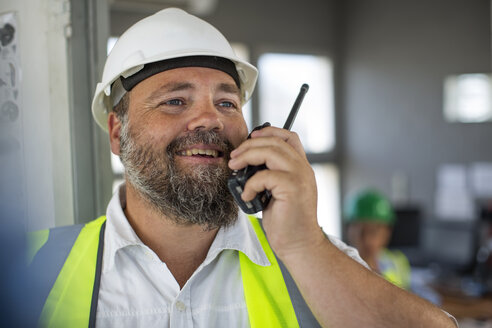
<point x="45" y="196"/>
<point x="397" y="54"/>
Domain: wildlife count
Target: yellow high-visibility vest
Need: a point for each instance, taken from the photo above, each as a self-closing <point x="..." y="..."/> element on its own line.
<point x="395" y="268"/>
<point x="72" y="281"/>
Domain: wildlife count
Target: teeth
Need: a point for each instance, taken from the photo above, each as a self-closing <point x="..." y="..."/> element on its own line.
<point x="195" y="151"/>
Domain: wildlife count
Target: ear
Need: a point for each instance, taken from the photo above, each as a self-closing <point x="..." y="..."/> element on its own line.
<point x="114" y="128"/>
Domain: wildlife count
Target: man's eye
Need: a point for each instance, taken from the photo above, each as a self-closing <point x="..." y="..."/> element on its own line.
<point x="173" y="102"/>
<point x="227" y="104"/>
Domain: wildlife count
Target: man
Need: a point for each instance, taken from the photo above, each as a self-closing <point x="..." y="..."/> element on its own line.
<point x="173" y="249"/>
<point x="370" y="220"/>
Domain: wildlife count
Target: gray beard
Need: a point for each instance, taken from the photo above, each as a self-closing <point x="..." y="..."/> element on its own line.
<point x="199" y="196"/>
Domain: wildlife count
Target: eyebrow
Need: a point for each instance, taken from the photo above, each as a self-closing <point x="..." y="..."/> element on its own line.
<point x="170" y="87"/>
<point x="229" y="88"/>
<point x="178" y="86"/>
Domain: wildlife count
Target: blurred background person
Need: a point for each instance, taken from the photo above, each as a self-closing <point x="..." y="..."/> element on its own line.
<point x="370" y="219"/>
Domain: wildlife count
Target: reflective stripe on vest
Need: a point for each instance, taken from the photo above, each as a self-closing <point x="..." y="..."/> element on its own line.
<point x="69" y="302"/>
<point x="72" y="299"/>
<point x="267" y="298"/>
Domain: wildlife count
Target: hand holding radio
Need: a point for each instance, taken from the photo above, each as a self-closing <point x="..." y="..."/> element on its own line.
<point x="238" y="178"/>
<point x="290" y="217"/>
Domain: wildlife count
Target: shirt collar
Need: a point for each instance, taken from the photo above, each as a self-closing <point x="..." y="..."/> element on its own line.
<point x="119" y="234"/>
<point x="239" y="236"/>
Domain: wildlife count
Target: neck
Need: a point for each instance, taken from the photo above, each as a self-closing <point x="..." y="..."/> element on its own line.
<point x="182" y="247"/>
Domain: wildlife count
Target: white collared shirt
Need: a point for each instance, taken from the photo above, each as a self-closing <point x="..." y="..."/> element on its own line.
<point x="138" y="290"/>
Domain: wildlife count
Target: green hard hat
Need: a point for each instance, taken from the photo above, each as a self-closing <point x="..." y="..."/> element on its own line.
<point x="369" y="205"/>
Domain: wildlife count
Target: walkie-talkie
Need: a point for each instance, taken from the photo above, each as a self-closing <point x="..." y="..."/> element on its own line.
<point x="238" y="178"/>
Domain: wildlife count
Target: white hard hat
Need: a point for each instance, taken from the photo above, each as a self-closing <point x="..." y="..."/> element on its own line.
<point x="169" y="33"/>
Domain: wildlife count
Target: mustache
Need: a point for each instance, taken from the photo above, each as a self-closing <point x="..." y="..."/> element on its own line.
<point x="201" y="137"/>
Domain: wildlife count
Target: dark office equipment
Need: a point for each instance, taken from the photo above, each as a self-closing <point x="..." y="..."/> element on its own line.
<point x="406" y="231"/>
<point x="451" y="245"/>
<point x="406" y="235"/>
<point x="485" y="211"/>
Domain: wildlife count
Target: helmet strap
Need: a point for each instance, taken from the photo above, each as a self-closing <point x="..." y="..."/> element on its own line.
<point x="219" y="63"/>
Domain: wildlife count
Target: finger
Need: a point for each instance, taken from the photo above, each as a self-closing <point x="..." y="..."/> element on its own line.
<point x="292" y="138"/>
<point x="275" y="158"/>
<point x="270" y="141"/>
<point x="267" y="180"/>
<point x="284" y="186"/>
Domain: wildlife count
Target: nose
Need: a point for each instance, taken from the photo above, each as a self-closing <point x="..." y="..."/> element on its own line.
<point x="206" y="117"/>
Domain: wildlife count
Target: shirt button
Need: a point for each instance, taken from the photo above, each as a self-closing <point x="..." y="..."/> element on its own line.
<point x="180" y="306"/>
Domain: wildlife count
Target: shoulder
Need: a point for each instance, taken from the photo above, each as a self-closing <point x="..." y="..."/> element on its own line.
<point x="58" y="238"/>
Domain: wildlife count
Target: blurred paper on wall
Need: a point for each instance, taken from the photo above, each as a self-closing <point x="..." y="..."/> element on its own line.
<point x="467" y="98"/>
<point x="481" y="180"/>
<point x="453" y="200"/>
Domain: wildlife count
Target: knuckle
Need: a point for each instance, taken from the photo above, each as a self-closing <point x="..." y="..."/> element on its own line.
<point x="294" y="134"/>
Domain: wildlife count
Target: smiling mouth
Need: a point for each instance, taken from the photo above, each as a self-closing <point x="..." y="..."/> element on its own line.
<point x="210" y="153"/>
